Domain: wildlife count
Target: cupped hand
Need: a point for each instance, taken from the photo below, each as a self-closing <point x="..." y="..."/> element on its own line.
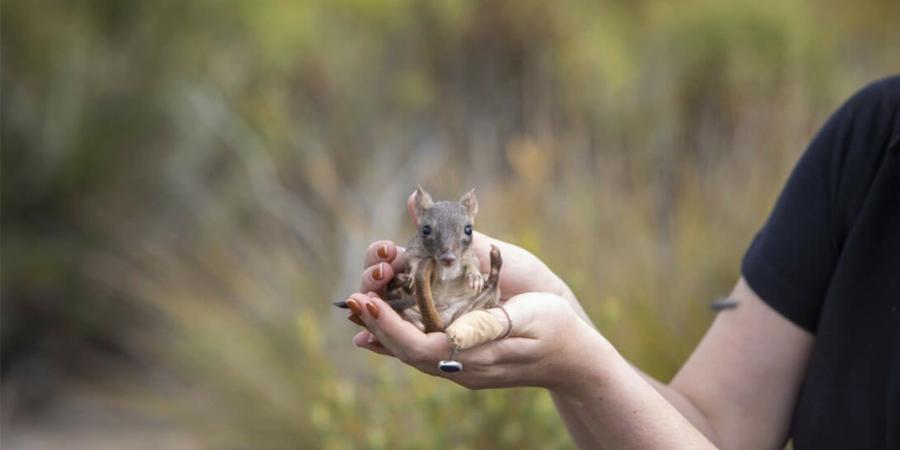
<point x="549" y="329"/>
<point x="546" y="339"/>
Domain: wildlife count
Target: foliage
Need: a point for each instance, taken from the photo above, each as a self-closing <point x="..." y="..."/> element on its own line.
<point x="187" y="185"/>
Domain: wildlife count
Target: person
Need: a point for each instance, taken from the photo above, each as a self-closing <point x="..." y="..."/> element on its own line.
<point x="811" y="352"/>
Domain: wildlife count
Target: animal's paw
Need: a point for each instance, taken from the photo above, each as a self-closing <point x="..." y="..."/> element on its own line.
<point x="404" y="279"/>
<point x="475" y="280"/>
<point x="404" y="282"/>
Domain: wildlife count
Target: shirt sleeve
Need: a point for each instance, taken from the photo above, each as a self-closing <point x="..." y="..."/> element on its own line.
<point x="790" y="262"/>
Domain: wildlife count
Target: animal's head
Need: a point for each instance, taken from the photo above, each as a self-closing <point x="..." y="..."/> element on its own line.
<point x="445" y="228"/>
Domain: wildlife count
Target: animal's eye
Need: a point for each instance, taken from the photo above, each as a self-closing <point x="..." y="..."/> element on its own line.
<point x="426" y="230"/>
<point x="468" y="230"/>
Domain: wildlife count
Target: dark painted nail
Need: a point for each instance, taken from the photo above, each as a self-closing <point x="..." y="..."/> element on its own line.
<point x="378" y="274"/>
<point x="354" y="306"/>
<point x="355" y="319"/>
<point x="382" y="251"/>
<point x="373" y="310"/>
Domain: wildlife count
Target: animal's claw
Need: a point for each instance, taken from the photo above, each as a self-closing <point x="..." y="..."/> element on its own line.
<point x="404" y="279"/>
<point x="476" y="281"/>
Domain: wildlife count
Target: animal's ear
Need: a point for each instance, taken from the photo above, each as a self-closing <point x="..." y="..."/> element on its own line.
<point x="470" y="203"/>
<point x="422" y="202"/>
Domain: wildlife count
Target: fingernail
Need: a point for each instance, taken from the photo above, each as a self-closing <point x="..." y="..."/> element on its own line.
<point x="382" y="251"/>
<point x="355" y="319"/>
<point x="354" y="306"/>
<point x="371" y="338"/>
<point x="378" y="274"/>
<point x="373" y="310"/>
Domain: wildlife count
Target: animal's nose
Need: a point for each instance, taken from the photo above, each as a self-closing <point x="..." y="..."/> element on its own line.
<point x="447" y="258"/>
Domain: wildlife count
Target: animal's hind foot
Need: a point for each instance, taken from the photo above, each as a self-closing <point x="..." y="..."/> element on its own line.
<point x="496" y="264"/>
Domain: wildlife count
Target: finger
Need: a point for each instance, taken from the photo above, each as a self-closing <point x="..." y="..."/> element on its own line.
<point x="490" y="331"/>
<point x="382" y="251"/>
<point x="376" y="277"/>
<point x="356" y="304"/>
<point x="531" y="312"/>
<point x="365" y="337"/>
<point x="377" y="348"/>
<point x="382" y="321"/>
<point x="368" y="341"/>
<point x="402" y="338"/>
<point x="511" y="350"/>
<point x="516" y="315"/>
<point x="517" y="334"/>
<point x="529" y="341"/>
<point x="356" y="320"/>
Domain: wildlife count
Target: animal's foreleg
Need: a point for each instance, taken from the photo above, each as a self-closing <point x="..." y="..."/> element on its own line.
<point x="490" y="296"/>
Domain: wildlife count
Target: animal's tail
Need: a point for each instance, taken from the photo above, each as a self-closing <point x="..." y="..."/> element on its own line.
<point x="430" y="317"/>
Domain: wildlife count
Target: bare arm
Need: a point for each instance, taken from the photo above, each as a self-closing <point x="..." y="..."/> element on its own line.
<point x="746" y="373"/>
<point x="579" y="420"/>
<point x="737" y="390"/>
<point x="738" y="387"/>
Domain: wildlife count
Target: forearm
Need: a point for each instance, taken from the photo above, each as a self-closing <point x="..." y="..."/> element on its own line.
<point x="579" y="421"/>
<point x="574" y="423"/>
<point x="611" y="405"/>
<point x="684" y="406"/>
<point x="569" y="411"/>
<point x="581" y="418"/>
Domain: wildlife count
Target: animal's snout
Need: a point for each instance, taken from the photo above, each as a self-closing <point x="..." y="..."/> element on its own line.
<point x="447" y="258"/>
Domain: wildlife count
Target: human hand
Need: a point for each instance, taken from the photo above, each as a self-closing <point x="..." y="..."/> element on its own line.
<point x="535" y="353"/>
<point x="539" y="303"/>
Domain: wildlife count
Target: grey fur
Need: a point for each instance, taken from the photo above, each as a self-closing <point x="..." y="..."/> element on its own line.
<point x="453" y="288"/>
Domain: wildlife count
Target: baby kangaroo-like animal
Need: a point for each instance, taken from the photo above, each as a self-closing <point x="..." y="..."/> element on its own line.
<point x="443" y="280"/>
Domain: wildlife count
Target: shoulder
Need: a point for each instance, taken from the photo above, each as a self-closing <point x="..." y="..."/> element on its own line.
<point x="791" y="260"/>
<point x="880" y="94"/>
<point x="869" y="119"/>
<point x="872" y="111"/>
<point x="887" y="89"/>
<point x="857" y="138"/>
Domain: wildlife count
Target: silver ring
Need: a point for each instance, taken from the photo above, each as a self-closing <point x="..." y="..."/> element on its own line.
<point x="508" y="322"/>
<point x="450" y="365"/>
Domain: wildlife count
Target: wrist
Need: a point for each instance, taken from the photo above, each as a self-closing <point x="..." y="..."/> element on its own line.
<point x="588" y="363"/>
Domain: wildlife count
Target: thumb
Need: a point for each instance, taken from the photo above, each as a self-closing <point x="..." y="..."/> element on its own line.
<point x="515" y="318"/>
<point x="411" y="208"/>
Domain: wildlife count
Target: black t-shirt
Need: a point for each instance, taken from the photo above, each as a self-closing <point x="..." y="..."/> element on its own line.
<point x="828" y="259"/>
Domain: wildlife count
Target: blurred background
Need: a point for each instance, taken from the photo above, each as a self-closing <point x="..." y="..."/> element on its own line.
<point x="186" y="186"/>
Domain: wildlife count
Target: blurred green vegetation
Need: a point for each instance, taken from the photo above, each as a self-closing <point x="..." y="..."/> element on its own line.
<point x="187" y="185"/>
